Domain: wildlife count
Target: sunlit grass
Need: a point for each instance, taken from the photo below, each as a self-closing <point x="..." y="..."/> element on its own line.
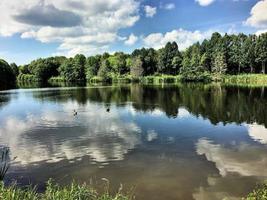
<point x="55" y="192"/>
<point x="246" y="79"/>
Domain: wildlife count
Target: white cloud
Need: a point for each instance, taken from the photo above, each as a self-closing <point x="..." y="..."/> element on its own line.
<point x="205" y="2"/>
<point x="168" y="6"/>
<point x="258" y="15"/>
<point x="183" y="38"/>
<point x="259" y="32"/>
<point x="150" y="11"/>
<point x="132" y="39"/>
<point x="78" y="26"/>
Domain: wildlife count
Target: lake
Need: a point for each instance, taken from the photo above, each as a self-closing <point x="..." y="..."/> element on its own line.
<point x="187" y="141"/>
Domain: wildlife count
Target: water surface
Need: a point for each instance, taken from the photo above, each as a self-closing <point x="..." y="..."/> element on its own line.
<point x="166" y="142"/>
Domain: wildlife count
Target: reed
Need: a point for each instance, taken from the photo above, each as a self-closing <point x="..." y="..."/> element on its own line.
<point x="4" y="162"/>
<point x="55" y="192"/>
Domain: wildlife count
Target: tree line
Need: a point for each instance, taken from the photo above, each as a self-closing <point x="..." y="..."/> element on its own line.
<point x="221" y="54"/>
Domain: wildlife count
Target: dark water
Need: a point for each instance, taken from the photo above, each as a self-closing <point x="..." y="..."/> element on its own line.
<point x="167" y="142"/>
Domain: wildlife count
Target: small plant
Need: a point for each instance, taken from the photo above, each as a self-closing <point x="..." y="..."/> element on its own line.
<point x="4" y="162"/>
<point x="260" y="193"/>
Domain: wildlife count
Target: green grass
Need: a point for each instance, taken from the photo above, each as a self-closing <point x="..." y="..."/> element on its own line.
<point x="260" y="193"/>
<point x="161" y="79"/>
<point x="56" y="192"/>
<point x="246" y="79"/>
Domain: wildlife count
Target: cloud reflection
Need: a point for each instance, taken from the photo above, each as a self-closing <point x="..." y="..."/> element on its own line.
<point x="243" y="159"/>
<point x="257" y="133"/>
<point x="54" y="135"/>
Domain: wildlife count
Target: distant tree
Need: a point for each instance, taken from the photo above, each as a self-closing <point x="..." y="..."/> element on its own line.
<point x="7" y="76"/>
<point x="148" y="58"/>
<point x="118" y="63"/>
<point x="204" y="61"/>
<point x="166" y="56"/>
<point x="92" y="66"/>
<point x="261" y="51"/>
<point x="236" y="50"/>
<point x="105" y="70"/>
<point x="79" y="67"/>
<point x="248" y="53"/>
<point x="14" y="68"/>
<point x="219" y="65"/>
<point x="23" y="69"/>
<point x="137" y="67"/>
<point x="195" y="55"/>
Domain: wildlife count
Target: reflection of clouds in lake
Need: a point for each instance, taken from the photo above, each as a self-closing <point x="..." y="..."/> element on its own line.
<point x="244" y="159"/>
<point x="151" y="135"/>
<point x="257" y="133"/>
<point x="54" y="135"/>
<point x="183" y="113"/>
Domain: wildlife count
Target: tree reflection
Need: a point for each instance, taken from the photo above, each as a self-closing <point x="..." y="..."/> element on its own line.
<point x="216" y="102"/>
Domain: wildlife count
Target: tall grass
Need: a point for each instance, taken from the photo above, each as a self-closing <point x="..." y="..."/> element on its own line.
<point x="246" y="79"/>
<point x="55" y="192"/>
<point x="4" y="162"/>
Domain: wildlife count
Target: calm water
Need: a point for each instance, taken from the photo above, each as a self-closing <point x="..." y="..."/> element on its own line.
<point x="172" y="142"/>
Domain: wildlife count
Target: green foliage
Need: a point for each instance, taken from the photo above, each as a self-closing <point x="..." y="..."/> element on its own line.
<point x="7" y="75"/>
<point x="118" y="63"/>
<point x="166" y="58"/>
<point x="148" y="58"/>
<point x="92" y="66"/>
<point x="15" y="69"/>
<point x="260" y="193"/>
<point x="105" y="71"/>
<point x="73" y="69"/>
<point x="219" y="65"/>
<point x="195" y="74"/>
<point x="137" y="67"/>
<point x="55" y="192"/>
<point x="228" y="54"/>
<point x="261" y="51"/>
<point x="29" y="78"/>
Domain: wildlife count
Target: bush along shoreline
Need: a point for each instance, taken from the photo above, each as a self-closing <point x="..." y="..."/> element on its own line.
<point x="225" y="58"/>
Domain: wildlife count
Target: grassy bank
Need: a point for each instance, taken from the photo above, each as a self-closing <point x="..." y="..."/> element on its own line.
<point x="241" y="80"/>
<point x="246" y="79"/>
<point x="56" y="192"/>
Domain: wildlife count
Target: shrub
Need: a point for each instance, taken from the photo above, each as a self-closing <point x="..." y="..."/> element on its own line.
<point x="260" y="193"/>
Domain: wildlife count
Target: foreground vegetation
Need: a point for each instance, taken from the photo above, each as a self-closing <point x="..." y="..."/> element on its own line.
<point x="246" y="79"/>
<point x="55" y="192"/>
<point x="206" y="61"/>
<point x="260" y="193"/>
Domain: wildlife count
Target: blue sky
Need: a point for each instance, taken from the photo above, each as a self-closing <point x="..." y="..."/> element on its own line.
<point x="30" y="29"/>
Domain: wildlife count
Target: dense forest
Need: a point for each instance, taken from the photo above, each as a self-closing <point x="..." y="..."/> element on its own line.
<point x="228" y="54"/>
